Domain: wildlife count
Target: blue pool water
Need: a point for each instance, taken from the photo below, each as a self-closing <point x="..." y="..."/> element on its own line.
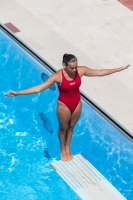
<point x="28" y="135"/>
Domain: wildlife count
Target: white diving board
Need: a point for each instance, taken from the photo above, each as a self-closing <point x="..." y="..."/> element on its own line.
<point x="87" y="182"/>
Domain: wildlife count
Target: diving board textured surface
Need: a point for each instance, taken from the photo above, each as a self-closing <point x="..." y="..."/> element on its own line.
<point x="87" y="182"/>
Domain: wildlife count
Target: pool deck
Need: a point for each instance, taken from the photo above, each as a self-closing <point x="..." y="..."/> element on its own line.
<point x="98" y="32"/>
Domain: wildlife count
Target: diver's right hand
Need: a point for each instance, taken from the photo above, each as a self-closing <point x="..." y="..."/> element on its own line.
<point x="11" y="94"/>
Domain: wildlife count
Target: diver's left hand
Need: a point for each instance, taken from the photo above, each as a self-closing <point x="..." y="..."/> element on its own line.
<point x="122" y="68"/>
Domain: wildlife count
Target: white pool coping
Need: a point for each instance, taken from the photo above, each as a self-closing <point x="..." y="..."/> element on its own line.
<point x="85" y="180"/>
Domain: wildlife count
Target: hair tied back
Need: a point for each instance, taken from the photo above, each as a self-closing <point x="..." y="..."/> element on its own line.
<point x="68" y="58"/>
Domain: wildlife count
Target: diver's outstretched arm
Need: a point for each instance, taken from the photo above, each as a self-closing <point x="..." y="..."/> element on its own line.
<point x="35" y="89"/>
<point x="101" y="72"/>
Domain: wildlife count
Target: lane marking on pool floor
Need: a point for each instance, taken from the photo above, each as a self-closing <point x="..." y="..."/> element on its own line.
<point x="86" y="181"/>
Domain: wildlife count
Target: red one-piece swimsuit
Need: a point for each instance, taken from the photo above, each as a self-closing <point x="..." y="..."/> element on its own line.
<point x="69" y="93"/>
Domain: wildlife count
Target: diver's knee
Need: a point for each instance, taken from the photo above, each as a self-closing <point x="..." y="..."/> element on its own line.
<point x="63" y="129"/>
<point x="71" y="128"/>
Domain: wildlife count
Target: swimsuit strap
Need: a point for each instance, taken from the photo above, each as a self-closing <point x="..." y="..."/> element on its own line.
<point x="62" y="73"/>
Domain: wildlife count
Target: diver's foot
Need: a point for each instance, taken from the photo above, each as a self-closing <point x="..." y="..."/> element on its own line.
<point x="64" y="157"/>
<point x="69" y="154"/>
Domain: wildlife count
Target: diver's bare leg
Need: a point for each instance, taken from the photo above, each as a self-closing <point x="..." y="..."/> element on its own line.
<point x="74" y="118"/>
<point x="64" y="115"/>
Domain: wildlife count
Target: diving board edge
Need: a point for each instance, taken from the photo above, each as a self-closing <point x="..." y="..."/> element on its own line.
<point x="85" y="180"/>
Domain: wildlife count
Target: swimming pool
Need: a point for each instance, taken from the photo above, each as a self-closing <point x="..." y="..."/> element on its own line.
<point x="29" y="139"/>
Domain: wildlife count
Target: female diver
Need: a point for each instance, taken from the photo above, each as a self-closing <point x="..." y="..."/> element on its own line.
<point x="69" y="103"/>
